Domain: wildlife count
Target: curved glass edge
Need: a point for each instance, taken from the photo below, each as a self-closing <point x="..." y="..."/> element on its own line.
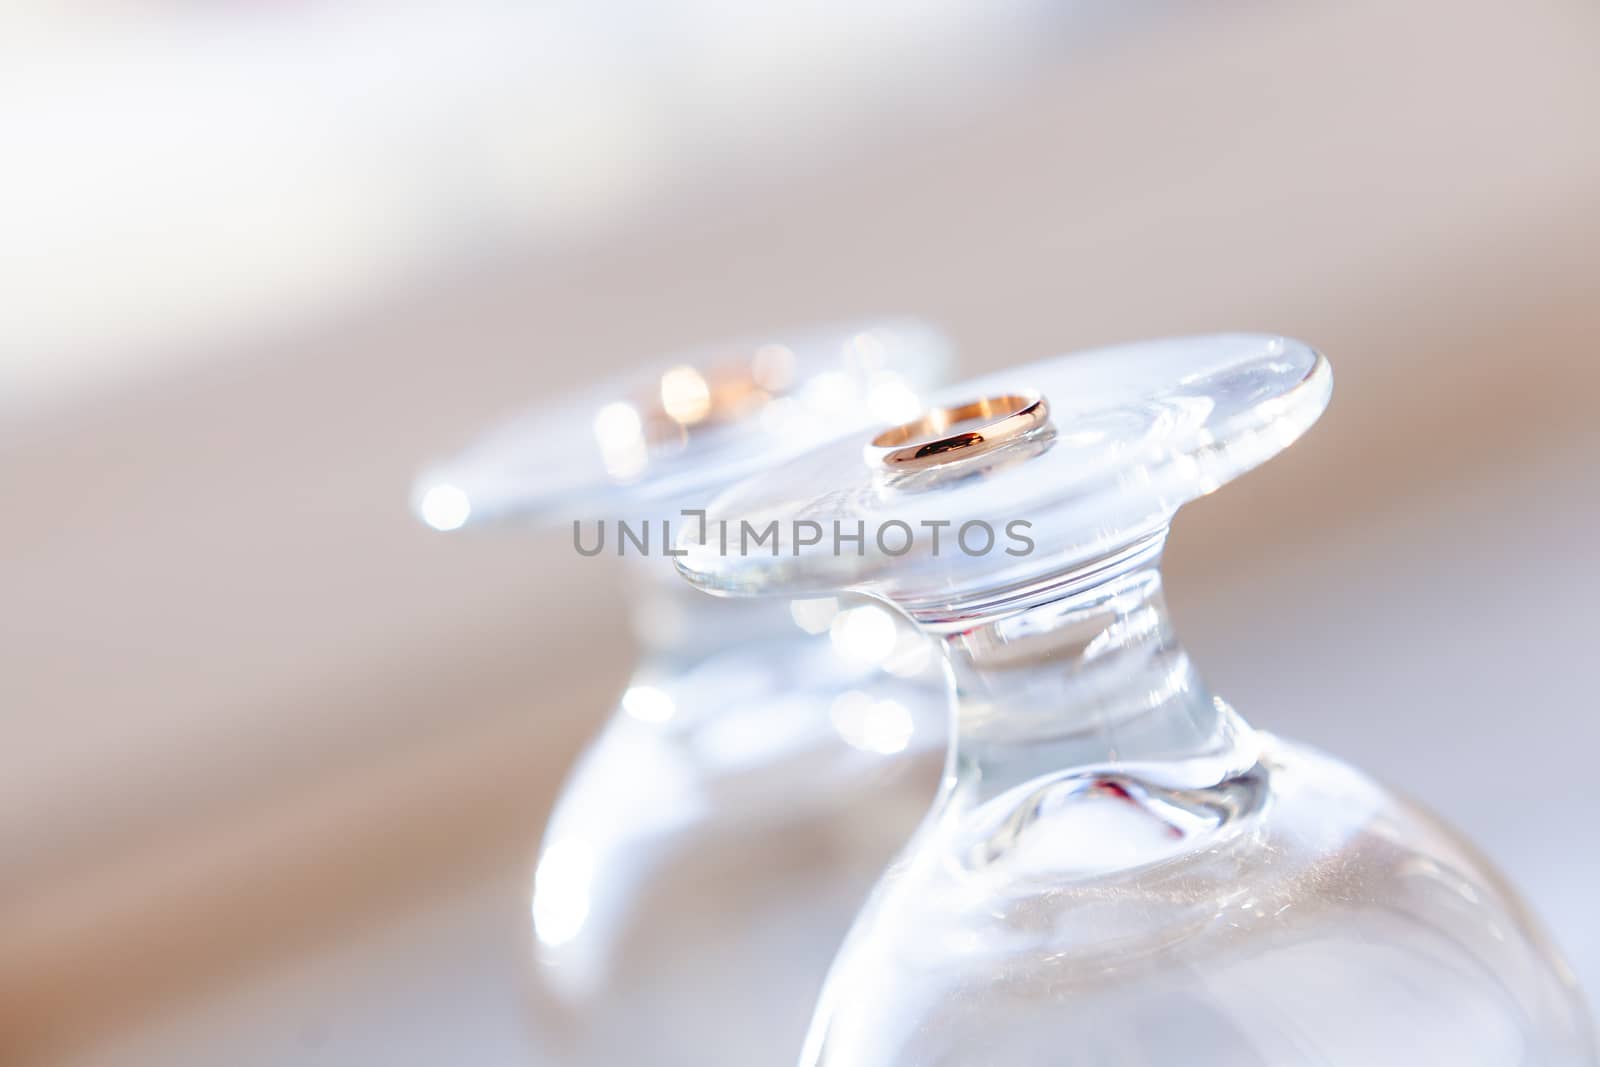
<point x="605" y="449"/>
<point x="1079" y="504"/>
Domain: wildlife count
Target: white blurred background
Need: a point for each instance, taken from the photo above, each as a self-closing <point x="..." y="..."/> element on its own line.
<point x="273" y="757"/>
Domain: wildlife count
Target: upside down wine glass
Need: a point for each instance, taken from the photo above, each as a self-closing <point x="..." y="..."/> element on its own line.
<point x="709" y="849"/>
<point x="1118" y="869"/>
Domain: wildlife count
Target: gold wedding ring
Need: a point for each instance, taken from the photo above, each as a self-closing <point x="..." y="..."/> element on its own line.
<point x="957" y="432"/>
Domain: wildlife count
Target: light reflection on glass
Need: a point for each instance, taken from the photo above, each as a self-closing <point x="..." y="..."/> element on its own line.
<point x="912" y="655"/>
<point x="561" y="889"/>
<point x="779" y="415"/>
<point x="816" y="615"/>
<point x="648" y="704"/>
<point x="620" y="434"/>
<point x="865" y="635"/>
<point x="758" y="735"/>
<point x="869" y="350"/>
<point x="445" y="507"/>
<point x="685" y="396"/>
<point x="617" y="425"/>
<point x="773" y="368"/>
<point x="881" y="726"/>
<point x="892" y="400"/>
<point x="833" y="393"/>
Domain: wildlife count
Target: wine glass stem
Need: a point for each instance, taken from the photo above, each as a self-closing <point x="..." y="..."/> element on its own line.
<point x="1093" y="680"/>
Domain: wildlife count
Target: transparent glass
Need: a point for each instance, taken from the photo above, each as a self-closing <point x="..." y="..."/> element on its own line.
<point x="708" y="851"/>
<point x="714" y="842"/>
<point x="1117" y="868"/>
